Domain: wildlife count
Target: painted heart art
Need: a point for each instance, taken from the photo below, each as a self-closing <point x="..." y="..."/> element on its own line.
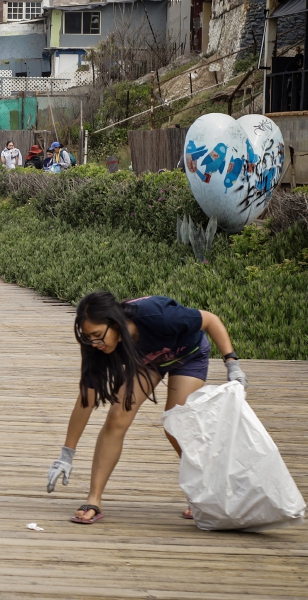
<point x="233" y="166"/>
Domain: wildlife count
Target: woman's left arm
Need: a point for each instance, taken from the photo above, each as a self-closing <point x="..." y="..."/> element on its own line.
<point x="19" y="159"/>
<point x="218" y="333"/>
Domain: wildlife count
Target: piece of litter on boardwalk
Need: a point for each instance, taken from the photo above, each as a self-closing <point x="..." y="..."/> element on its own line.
<point x="35" y="527"/>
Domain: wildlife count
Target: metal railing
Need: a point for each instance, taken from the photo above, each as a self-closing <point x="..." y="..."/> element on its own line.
<point x="287" y="91"/>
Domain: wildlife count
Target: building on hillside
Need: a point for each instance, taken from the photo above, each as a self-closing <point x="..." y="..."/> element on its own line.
<point x="76" y="26"/>
<point x="286" y="77"/>
<point x="23" y="39"/>
<point x="286" y="84"/>
<point x="188" y="23"/>
<point x="52" y="37"/>
<point x="19" y="11"/>
<point x="231" y="29"/>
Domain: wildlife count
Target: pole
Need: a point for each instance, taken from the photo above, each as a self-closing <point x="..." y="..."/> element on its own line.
<point x="152" y="101"/>
<point x="85" y="156"/>
<point x="53" y="120"/>
<point x="81" y="135"/>
<point x="149" y="22"/>
<point x="23" y="110"/>
<point x="190" y="81"/>
<point x="230" y="99"/>
<point x="158" y="81"/>
<point x="127" y="105"/>
<point x="170" y="113"/>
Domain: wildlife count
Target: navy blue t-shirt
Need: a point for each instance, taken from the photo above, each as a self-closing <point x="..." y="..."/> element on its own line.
<point x="167" y="330"/>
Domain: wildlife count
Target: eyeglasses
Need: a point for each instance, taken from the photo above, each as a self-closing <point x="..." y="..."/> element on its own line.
<point x="86" y="340"/>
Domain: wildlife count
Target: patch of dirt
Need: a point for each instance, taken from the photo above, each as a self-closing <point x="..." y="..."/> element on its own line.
<point x="179" y="86"/>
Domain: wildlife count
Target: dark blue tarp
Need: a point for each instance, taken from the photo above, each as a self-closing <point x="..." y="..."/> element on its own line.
<point x="289" y="7"/>
<point x="94" y="5"/>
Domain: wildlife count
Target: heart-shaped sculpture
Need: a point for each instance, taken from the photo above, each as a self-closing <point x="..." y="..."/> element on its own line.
<point x="233" y="166"/>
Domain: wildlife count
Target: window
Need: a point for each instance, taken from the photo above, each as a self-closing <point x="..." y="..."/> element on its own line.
<point x="17" y="11"/>
<point x="82" y="23"/>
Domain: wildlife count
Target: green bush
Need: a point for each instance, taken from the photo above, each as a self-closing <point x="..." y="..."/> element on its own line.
<point x="59" y="261"/>
<point x="147" y="205"/>
<point x="257" y="285"/>
<point x="107" y="143"/>
<point x="242" y="65"/>
<point x="3" y="181"/>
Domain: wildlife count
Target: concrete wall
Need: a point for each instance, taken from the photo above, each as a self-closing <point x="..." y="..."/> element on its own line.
<point x="178" y="23"/>
<point x="21" y="48"/>
<point x="294" y="129"/>
<point x="110" y="15"/>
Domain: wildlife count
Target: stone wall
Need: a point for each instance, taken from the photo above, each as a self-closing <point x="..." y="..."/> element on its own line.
<point x="232" y="26"/>
<point x="255" y="22"/>
<point x="226" y="30"/>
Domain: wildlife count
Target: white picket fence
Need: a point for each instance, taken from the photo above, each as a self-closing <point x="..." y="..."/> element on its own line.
<point x="11" y="85"/>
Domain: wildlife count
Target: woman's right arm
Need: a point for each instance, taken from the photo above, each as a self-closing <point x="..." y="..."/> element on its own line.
<point x="78" y="420"/>
<point x="3" y="159"/>
<point x="77" y="423"/>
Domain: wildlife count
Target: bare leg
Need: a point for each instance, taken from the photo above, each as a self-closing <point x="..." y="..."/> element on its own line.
<point x="110" y="443"/>
<point x="179" y="387"/>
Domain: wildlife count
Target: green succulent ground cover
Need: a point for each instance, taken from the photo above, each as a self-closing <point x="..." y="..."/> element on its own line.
<point x="256" y="281"/>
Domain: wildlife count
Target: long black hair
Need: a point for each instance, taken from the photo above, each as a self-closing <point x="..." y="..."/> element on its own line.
<point x="106" y="373"/>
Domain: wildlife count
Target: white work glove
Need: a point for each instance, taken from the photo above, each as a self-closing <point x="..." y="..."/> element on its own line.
<point x="235" y="373"/>
<point x="62" y="465"/>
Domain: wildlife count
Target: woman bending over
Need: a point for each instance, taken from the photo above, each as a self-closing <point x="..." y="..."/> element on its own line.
<point x="126" y="350"/>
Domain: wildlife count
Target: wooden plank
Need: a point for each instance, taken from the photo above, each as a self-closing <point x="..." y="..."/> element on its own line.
<point x="142" y="548"/>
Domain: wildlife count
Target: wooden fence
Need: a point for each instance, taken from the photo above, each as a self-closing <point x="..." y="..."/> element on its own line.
<point x="25" y="138"/>
<point x="157" y="149"/>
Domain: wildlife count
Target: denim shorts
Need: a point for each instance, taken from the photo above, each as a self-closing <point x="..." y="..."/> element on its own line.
<point x="194" y="365"/>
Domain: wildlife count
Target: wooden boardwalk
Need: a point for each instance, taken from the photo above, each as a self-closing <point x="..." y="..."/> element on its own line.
<point x="143" y="549"/>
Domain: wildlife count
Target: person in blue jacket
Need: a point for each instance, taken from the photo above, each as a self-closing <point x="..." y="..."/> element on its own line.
<point x="126" y="349"/>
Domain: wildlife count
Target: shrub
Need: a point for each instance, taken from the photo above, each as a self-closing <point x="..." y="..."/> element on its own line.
<point x="59" y="261"/>
<point x="107" y="143"/>
<point x="258" y="289"/>
<point x="242" y="65"/>
<point x="147" y="205"/>
<point x="3" y="181"/>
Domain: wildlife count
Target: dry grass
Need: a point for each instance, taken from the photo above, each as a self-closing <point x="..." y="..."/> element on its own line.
<point x="286" y="208"/>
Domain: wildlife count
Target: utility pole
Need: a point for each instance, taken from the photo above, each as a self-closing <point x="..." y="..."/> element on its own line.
<point x="152" y="100"/>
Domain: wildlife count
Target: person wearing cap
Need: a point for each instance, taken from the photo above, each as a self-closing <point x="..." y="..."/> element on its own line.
<point x="33" y="159"/>
<point x="11" y="156"/>
<point x="60" y="157"/>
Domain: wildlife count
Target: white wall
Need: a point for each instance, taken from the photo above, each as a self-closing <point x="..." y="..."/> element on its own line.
<point x="64" y="64"/>
<point x="178" y="22"/>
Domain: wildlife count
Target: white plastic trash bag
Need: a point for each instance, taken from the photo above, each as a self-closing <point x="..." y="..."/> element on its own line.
<point x="231" y="471"/>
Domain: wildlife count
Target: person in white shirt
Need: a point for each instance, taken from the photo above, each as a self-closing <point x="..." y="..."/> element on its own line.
<point x="11" y="156"/>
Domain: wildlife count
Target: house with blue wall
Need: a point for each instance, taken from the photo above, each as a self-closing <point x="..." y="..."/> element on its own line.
<point x="73" y="29"/>
<point x="23" y="48"/>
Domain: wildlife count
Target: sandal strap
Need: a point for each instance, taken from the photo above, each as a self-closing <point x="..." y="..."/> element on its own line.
<point x="87" y="507"/>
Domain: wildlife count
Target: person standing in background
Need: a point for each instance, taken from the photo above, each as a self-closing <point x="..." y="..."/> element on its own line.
<point x="11" y="156"/>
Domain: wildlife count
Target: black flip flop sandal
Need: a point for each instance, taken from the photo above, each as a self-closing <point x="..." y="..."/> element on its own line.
<point x="98" y="514"/>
